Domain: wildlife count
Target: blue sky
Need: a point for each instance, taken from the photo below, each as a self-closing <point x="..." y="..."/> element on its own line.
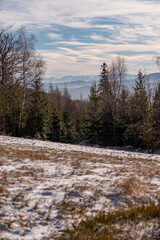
<point x="76" y="36"/>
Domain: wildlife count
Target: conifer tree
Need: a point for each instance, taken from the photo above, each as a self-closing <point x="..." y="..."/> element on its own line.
<point x="10" y="104"/>
<point x="55" y="132"/>
<point x="39" y="120"/>
<point x="106" y="106"/>
<point x="67" y="109"/>
<point x="139" y="113"/>
<point x="93" y="122"/>
<point x="156" y="118"/>
<point x="104" y="85"/>
<point x="122" y="116"/>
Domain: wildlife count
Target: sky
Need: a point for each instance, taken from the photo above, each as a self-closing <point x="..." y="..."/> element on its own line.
<point x="75" y="37"/>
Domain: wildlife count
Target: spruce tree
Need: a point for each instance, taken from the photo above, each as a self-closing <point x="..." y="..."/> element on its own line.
<point x="93" y="122"/>
<point x="122" y="116"/>
<point x="156" y="118"/>
<point x="104" y="85"/>
<point x="106" y="106"/>
<point x="55" y="131"/>
<point x="139" y="114"/>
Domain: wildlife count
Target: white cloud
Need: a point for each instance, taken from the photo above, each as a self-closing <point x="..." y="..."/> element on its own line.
<point x="87" y="59"/>
<point x="97" y="37"/>
<point x="130" y="25"/>
<point x="55" y="36"/>
<point x="77" y="13"/>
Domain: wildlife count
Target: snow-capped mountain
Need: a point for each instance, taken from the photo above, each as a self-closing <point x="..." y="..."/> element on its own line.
<point x="76" y="85"/>
<point x="80" y="85"/>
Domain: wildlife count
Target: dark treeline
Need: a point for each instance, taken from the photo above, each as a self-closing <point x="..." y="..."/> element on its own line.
<point x="113" y="115"/>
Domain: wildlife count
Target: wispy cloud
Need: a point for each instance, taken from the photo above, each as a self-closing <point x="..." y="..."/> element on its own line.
<point x="97" y="38"/>
<point x="86" y="32"/>
<point x="55" y="36"/>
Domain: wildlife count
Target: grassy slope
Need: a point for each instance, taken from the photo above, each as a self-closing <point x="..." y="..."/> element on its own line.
<point x="134" y="180"/>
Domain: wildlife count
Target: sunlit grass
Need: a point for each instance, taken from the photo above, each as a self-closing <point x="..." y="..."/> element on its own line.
<point x="112" y="226"/>
<point x="89" y="182"/>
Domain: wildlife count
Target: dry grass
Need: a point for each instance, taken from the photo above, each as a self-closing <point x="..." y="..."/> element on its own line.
<point x="4" y="191"/>
<point x="72" y="209"/>
<point x="132" y="186"/>
<point x="147" y="170"/>
<point x="122" y="224"/>
<point x="41" y="154"/>
<point x="38" y="171"/>
<point x="4" y="151"/>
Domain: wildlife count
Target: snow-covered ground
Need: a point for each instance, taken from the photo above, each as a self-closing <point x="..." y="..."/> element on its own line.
<point x="45" y="187"/>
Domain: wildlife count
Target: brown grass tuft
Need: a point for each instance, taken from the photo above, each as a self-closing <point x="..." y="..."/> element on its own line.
<point x="132" y="186"/>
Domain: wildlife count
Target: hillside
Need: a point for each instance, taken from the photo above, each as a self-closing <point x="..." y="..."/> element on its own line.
<point x="46" y="187"/>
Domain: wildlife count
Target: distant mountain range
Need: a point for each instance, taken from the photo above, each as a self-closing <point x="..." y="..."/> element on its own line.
<point x="80" y="85"/>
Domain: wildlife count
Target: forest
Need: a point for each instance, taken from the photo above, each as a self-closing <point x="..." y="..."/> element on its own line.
<point x="113" y="114"/>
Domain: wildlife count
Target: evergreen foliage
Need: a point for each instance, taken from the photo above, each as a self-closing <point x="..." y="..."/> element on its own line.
<point x="156" y="118"/>
<point x="93" y="121"/>
<point x="112" y="114"/>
